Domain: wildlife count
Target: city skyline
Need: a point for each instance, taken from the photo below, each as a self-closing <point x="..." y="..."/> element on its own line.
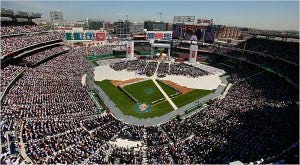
<point x="263" y="15"/>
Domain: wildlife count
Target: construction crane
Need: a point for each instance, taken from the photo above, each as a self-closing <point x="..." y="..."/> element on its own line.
<point x="123" y="15"/>
<point x="160" y="13"/>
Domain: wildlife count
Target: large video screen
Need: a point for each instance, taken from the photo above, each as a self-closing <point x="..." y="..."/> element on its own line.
<point x="186" y="31"/>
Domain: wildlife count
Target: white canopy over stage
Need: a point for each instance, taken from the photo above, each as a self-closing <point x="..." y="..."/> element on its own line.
<point x="160" y="45"/>
<point x="208" y="82"/>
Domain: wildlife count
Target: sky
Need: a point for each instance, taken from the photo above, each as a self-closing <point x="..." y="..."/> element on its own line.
<point x="269" y="15"/>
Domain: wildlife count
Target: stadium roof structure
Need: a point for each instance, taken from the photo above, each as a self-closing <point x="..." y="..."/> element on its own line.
<point x="274" y="34"/>
<point x="7" y="12"/>
<point x="19" y="14"/>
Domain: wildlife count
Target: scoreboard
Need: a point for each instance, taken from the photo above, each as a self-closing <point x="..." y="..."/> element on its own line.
<point x="85" y="35"/>
<point x="159" y="35"/>
<point x="182" y="19"/>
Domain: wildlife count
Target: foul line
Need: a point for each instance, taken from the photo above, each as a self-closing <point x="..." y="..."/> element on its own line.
<point x="164" y="93"/>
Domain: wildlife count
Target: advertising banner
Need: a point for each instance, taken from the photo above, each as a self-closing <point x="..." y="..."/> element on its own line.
<point x="193" y="53"/>
<point x="68" y="36"/>
<point x="78" y="35"/>
<point x="205" y="21"/>
<point x="89" y="36"/>
<point x="130" y="50"/>
<point x="100" y="36"/>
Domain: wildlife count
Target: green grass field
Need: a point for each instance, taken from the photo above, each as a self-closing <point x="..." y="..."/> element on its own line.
<point x="169" y="90"/>
<point x="116" y="95"/>
<point x="95" y="63"/>
<point x="127" y="106"/>
<point x="144" y="92"/>
<point x="184" y="99"/>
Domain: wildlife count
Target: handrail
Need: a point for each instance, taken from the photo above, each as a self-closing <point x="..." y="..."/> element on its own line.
<point x="11" y="83"/>
<point x="27" y="47"/>
<point x="48" y="58"/>
<point x="20" y="34"/>
<point x="36" y="49"/>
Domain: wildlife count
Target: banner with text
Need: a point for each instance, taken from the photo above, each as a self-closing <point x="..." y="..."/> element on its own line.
<point x="100" y="36"/>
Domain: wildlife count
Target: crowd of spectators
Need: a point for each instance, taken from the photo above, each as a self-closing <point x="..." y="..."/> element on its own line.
<point x="52" y="89"/>
<point x="118" y="66"/>
<point x="76" y="142"/>
<point x="12" y="44"/>
<point x="136" y="65"/>
<point x="285" y="50"/>
<point x="51" y="110"/>
<point x="12" y="30"/>
<point x="163" y="69"/>
<point x="288" y="70"/>
<point x="149" y="67"/>
<point x="109" y="61"/>
<point x="131" y="65"/>
<point x="126" y="155"/>
<point x="132" y="132"/>
<point x="42" y="149"/>
<point x="185" y="57"/>
<point x="97" y="121"/>
<point x="181" y="69"/>
<point x="256" y="120"/>
<point x="156" y="137"/>
<point x="87" y="144"/>
<point x="99" y="50"/>
<point x="8" y="73"/>
<point x="159" y="155"/>
<point x="186" y="70"/>
<point x="38" y="129"/>
<point x="33" y="58"/>
<point x="99" y="157"/>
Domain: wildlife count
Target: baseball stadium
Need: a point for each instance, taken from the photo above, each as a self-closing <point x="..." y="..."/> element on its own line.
<point x="194" y="93"/>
